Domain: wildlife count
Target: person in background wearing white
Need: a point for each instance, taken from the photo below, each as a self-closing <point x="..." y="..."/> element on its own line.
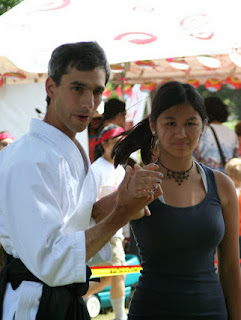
<point x="6" y="138"/>
<point x="107" y="179"/>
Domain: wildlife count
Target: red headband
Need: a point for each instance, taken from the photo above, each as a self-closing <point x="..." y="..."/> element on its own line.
<point x="6" y="135"/>
<point x="110" y="134"/>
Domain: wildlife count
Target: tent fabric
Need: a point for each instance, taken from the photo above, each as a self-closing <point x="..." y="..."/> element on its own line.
<point x="129" y="31"/>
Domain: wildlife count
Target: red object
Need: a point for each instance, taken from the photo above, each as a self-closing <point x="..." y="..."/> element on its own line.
<point x="92" y="142"/>
<point x="233" y="83"/>
<point x="148" y="87"/>
<point x="213" y="85"/>
<point x="194" y="83"/>
<point x="1" y="81"/>
<point x="149" y="37"/>
<point x="127" y="90"/>
<point x="6" y="135"/>
<point x="118" y="91"/>
<point x="106" y="93"/>
<point x="145" y="63"/>
<point x="18" y="75"/>
<point x="110" y="134"/>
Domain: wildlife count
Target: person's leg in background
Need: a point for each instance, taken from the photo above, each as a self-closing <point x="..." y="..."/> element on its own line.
<point x="117" y="296"/>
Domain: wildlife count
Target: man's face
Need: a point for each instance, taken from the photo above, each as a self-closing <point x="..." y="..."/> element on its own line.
<point x="75" y="100"/>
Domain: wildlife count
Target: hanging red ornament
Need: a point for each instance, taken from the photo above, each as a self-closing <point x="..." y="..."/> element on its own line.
<point x="148" y="87"/>
<point x="213" y="85"/>
<point x="118" y="91"/>
<point x="106" y="94"/>
<point x="233" y="83"/>
<point x="127" y="90"/>
<point x="194" y="82"/>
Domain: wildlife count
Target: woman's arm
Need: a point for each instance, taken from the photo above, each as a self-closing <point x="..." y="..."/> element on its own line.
<point x="228" y="250"/>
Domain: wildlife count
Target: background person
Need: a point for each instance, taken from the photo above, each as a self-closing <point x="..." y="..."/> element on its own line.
<point x="207" y="151"/>
<point x="197" y="213"/>
<point x="50" y="224"/>
<point x="237" y="129"/>
<point x="93" y="129"/>
<point x="107" y="179"/>
<point x="114" y="112"/>
<point x="6" y="138"/>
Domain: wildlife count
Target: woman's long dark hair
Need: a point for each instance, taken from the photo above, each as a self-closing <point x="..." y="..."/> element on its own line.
<point x="170" y="94"/>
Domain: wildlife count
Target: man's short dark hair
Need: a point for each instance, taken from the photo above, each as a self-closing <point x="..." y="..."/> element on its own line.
<point x="113" y="107"/>
<point x="84" y="56"/>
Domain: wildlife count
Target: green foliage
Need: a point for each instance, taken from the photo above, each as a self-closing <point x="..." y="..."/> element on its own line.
<point x="6" y="5"/>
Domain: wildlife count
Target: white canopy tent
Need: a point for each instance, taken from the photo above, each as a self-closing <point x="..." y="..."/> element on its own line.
<point x="128" y="30"/>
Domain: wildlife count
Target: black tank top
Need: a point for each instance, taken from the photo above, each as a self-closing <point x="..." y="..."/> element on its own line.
<point x="177" y="246"/>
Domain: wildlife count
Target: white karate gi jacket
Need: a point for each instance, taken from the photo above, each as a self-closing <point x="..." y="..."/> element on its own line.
<point x="47" y="191"/>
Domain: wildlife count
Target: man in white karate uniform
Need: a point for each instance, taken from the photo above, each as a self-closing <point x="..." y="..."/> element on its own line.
<point x="50" y="224"/>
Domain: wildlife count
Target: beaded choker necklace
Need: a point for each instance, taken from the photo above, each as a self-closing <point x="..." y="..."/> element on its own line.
<point x="178" y="176"/>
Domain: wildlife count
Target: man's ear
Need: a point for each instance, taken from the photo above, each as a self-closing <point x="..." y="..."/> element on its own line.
<point x="50" y="87"/>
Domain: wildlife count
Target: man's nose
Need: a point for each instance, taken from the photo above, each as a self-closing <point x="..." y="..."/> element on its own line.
<point x="87" y="100"/>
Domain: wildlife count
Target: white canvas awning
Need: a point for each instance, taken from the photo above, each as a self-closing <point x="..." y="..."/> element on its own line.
<point x="129" y="31"/>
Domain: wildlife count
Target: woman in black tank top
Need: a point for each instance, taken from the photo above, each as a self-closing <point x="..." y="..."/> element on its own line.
<point x="197" y="214"/>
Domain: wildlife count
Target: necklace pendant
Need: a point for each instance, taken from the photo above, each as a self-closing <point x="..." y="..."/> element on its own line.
<point x="178" y="176"/>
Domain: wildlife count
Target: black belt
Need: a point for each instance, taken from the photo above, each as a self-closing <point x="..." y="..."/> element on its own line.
<point x="60" y="303"/>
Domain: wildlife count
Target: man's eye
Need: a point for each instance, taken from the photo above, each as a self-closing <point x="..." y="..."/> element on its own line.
<point x="170" y="123"/>
<point x="77" y="88"/>
<point x="190" y="124"/>
<point x="98" y="92"/>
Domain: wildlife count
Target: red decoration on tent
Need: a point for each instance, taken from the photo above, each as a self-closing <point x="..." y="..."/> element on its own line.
<point x="149" y="37"/>
<point x="148" y="87"/>
<point x="194" y="82"/>
<point x="13" y="75"/>
<point x="118" y="91"/>
<point x="213" y="85"/>
<point x="127" y="90"/>
<point x="61" y="6"/>
<point x="117" y="67"/>
<point x="145" y="63"/>
<point x="198" y="26"/>
<point x="233" y="83"/>
<point x="1" y="81"/>
<point x="18" y="75"/>
<point x="106" y="94"/>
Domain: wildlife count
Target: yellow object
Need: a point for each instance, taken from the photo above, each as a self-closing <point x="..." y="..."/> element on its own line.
<point x="108" y="271"/>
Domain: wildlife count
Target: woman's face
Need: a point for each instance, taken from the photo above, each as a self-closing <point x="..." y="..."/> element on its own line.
<point x="178" y="130"/>
<point x="108" y="147"/>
